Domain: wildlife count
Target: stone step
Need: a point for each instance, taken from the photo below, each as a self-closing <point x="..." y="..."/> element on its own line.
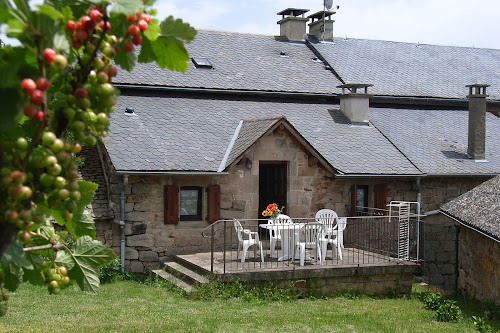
<point x="178" y="282"/>
<point x="184" y="273"/>
<point x="190" y="265"/>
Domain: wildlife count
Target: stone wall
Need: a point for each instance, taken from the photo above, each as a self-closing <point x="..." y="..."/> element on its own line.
<point x="479" y="265"/>
<point x="150" y="241"/>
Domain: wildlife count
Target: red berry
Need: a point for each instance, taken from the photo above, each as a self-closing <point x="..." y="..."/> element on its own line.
<point x="11" y="215"/>
<point x="81" y="93"/>
<point x="108" y="25"/>
<point x="25" y="236"/>
<point x="28" y="86"/>
<point x="137" y="40"/>
<point x="39" y="115"/>
<point x="131" y="18"/>
<point x="42" y="83"/>
<point x="49" y="55"/>
<point x="128" y="47"/>
<point x="79" y="26"/>
<point x="87" y="23"/>
<point x="82" y="35"/>
<point x="145" y="17"/>
<point x="30" y="111"/>
<point x="18" y="176"/>
<point x="37" y="97"/>
<point x="95" y="14"/>
<point x="77" y="148"/>
<point x="71" y="25"/>
<point x="143" y="25"/>
<point x="112" y="71"/>
<point x="102" y="77"/>
<point x="133" y="30"/>
<point x="77" y="45"/>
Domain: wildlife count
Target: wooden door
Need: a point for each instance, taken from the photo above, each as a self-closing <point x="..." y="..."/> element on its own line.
<point x="272" y="185"/>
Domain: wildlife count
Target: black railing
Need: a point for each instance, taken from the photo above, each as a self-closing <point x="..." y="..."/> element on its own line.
<point x="367" y="240"/>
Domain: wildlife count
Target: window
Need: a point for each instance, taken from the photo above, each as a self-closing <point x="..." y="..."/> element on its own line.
<point x="186" y="203"/>
<point x="190" y="203"/>
<point x="359" y="200"/>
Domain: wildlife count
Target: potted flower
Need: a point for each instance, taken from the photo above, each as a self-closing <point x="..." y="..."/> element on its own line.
<point x="271" y="211"/>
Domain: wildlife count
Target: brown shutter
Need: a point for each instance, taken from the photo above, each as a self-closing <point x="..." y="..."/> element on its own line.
<point x="380" y="197"/>
<point x="354" y="199"/>
<point x="171" y="204"/>
<point x="213" y="209"/>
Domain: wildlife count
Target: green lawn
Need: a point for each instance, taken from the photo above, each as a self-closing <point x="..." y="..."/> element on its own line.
<point x="133" y="307"/>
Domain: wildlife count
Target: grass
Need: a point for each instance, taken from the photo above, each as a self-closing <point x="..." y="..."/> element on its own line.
<point x="129" y="306"/>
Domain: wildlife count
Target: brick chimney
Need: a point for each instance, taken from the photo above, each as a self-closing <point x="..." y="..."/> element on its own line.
<point x="356" y="105"/>
<point x="291" y="25"/>
<point x="321" y="26"/>
<point x="477" y="121"/>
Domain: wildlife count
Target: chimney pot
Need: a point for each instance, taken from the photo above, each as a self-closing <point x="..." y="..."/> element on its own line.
<point x="321" y="25"/>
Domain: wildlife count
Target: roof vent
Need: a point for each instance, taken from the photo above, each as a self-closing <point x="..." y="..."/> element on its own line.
<point x="201" y="63"/>
<point x="129" y="110"/>
<point x="283" y="54"/>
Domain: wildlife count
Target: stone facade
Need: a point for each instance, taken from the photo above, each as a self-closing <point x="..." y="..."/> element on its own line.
<point x="150" y="241"/>
<point x="479" y="265"/>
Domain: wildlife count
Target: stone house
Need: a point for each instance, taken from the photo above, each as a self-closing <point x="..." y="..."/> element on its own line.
<point x="295" y="120"/>
<point x="477" y="213"/>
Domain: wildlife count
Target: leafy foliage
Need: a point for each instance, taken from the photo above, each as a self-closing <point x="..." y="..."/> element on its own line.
<point x="57" y="95"/>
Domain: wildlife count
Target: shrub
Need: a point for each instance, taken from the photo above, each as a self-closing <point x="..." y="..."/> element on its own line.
<point x="112" y="273"/>
<point x="448" y="310"/>
<point x="432" y="301"/>
<point x="481" y="324"/>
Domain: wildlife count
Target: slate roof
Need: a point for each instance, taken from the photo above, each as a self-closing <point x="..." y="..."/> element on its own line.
<point x="409" y="69"/>
<point x="479" y="208"/>
<point x="242" y="62"/>
<point x="190" y="134"/>
<point x="436" y="140"/>
<point x="251" y="130"/>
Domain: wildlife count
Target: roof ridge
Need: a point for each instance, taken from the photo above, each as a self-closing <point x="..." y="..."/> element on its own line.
<point x="265" y="118"/>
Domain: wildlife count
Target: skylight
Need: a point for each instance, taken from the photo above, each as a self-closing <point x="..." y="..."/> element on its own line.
<point x="201" y="63"/>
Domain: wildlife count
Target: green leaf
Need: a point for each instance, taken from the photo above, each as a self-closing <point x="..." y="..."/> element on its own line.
<point x="84" y="262"/>
<point x="82" y="223"/>
<point x="149" y="2"/>
<point x="67" y="13"/>
<point x="147" y="54"/>
<point x="10" y="115"/>
<point x="33" y="275"/>
<point x="13" y="276"/>
<point x="153" y="30"/>
<point x="171" y="27"/>
<point x="128" y="7"/>
<point x="170" y="53"/>
<point x="50" y="12"/>
<point x="15" y="254"/>
<point x="15" y="28"/>
<point x="61" y="43"/>
<point x="4" y="15"/>
<point x="125" y="60"/>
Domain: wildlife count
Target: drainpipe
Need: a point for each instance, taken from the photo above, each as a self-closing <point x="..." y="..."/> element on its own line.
<point x="417" y="229"/>
<point x="122" y="222"/>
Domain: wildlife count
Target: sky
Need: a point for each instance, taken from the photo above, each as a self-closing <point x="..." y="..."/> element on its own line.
<point x="441" y="22"/>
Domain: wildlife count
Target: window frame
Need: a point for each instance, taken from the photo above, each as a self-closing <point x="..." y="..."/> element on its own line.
<point x="197" y="217"/>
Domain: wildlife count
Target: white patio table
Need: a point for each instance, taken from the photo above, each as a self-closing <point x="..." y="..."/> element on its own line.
<point x="289" y="233"/>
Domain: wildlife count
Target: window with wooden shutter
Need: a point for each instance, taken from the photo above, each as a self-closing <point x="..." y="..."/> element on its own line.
<point x="171" y="204"/>
<point x="359" y="200"/>
<point x="213" y="203"/>
<point x="380" y="200"/>
<point x="190" y="203"/>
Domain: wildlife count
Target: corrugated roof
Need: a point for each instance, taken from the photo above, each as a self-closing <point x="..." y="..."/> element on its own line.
<point x="479" y="208"/>
<point x="409" y="69"/>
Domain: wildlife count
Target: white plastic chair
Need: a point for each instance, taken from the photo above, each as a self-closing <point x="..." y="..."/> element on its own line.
<point x="311" y="236"/>
<point x="275" y="233"/>
<point x="328" y="218"/>
<point x="246" y="243"/>
<point x="335" y="240"/>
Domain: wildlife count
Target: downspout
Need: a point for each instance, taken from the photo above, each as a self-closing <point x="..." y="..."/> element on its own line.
<point x="419" y="202"/>
<point x="122" y="222"/>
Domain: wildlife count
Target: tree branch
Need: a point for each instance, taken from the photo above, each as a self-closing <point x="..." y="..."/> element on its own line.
<point x="56" y="247"/>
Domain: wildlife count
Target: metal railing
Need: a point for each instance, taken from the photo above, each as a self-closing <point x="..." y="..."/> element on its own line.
<point x="367" y="240"/>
